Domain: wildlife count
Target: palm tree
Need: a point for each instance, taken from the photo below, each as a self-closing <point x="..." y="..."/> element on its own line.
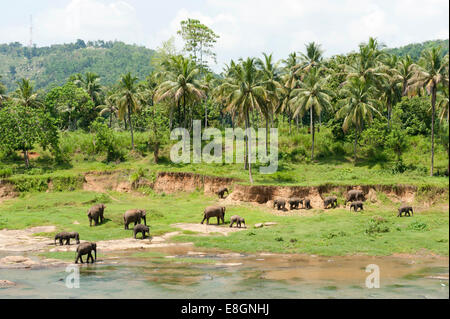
<point x="110" y="108"/>
<point x="357" y="107"/>
<point x="429" y="73"/>
<point x="182" y="84"/>
<point x="312" y="95"/>
<point x="128" y="99"/>
<point x="244" y="92"/>
<point x="25" y="95"/>
<point x="405" y="71"/>
<point x="91" y="84"/>
<point x="442" y="104"/>
<point x="389" y="84"/>
<point x="312" y="58"/>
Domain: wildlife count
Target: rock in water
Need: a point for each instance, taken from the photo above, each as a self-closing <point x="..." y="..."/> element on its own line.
<point x="6" y="284"/>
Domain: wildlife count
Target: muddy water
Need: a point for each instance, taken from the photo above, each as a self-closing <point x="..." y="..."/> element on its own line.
<point x="177" y="272"/>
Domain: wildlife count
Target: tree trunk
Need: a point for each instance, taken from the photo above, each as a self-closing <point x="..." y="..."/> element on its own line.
<point x="433" y="111"/>
<point x="131" y="128"/>
<point x="267" y="133"/>
<point x="354" y="146"/>
<point x="156" y="153"/>
<point x="206" y="115"/>
<point x="110" y="120"/>
<point x="311" y="115"/>
<point x="320" y="122"/>
<point x="184" y="110"/>
<point x="26" y="158"/>
<point x="249" y="147"/>
<point x="389" y="114"/>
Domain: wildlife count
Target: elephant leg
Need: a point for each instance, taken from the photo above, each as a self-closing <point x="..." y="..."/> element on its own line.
<point x="207" y="221"/>
<point x="218" y="220"/>
<point x="204" y="217"/>
<point x="231" y="224"/>
<point x="81" y="259"/>
<point x="68" y="241"/>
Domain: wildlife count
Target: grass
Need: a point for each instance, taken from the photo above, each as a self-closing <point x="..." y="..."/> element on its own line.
<point x="330" y="232"/>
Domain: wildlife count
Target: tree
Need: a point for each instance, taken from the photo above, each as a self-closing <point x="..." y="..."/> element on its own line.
<point x="181" y="85"/>
<point x="110" y="108"/>
<point x="429" y="73"/>
<point x="2" y="92"/>
<point x="199" y="40"/>
<point x="22" y="126"/>
<point x="91" y="83"/>
<point x="244" y="92"/>
<point x="128" y="99"/>
<point x="25" y="95"/>
<point x="312" y="95"/>
<point x="405" y="71"/>
<point x="357" y="107"/>
<point x="389" y="85"/>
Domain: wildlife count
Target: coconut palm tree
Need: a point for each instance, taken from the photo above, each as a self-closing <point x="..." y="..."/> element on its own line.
<point x="181" y="85"/>
<point x="244" y="92"/>
<point x="312" y="95"/>
<point x="25" y="95"/>
<point x="405" y="71"/>
<point x="357" y="107"/>
<point x="110" y="108"/>
<point x="429" y="73"/>
<point x="390" y="84"/>
<point x="128" y="99"/>
<point x="91" y="84"/>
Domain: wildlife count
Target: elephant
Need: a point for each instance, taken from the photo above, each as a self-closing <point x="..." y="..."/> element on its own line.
<point x="95" y="213"/>
<point x="354" y="195"/>
<point x="66" y="236"/>
<point x="330" y="200"/>
<point x="221" y="192"/>
<point x="86" y="249"/>
<point x="405" y="209"/>
<point x="238" y="220"/>
<point x="356" y="205"/>
<point x="214" y="211"/>
<point x="294" y="203"/>
<point x="143" y="229"/>
<point x="134" y="215"/>
<point x="280" y="204"/>
<point x="306" y="203"/>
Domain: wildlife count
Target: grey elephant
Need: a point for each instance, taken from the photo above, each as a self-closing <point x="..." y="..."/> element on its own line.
<point x="95" y="213"/>
<point x="238" y="220"/>
<point x="330" y="200"/>
<point x="143" y="229"/>
<point x="134" y="215"/>
<point x="280" y="204"/>
<point x="294" y="203"/>
<point x="405" y="209"/>
<point x="214" y="211"/>
<point x="306" y="203"/>
<point x="354" y="195"/>
<point x="221" y="192"/>
<point x="86" y="249"/>
<point x="67" y="236"/>
<point x="356" y="205"/>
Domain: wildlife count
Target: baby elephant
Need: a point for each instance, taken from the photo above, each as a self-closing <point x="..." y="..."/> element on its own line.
<point x="86" y="249"/>
<point x="238" y="220"/>
<point x="66" y="236"/>
<point x="356" y="205"/>
<point x="306" y="203"/>
<point x="221" y="192"/>
<point x="294" y="203"/>
<point x="405" y="209"/>
<point x="214" y="211"/>
<point x="95" y="213"/>
<point x="280" y="204"/>
<point x="330" y="200"/>
<point x="139" y="228"/>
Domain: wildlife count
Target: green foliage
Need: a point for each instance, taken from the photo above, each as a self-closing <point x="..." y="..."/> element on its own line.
<point x="413" y="115"/>
<point x="104" y="141"/>
<point x="415" y="49"/>
<point x="376" y="226"/>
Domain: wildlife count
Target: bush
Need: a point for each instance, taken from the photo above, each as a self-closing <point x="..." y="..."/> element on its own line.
<point x="376" y="226"/>
<point x="5" y="172"/>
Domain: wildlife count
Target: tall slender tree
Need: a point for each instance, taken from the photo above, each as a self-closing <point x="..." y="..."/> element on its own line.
<point x="429" y="73"/>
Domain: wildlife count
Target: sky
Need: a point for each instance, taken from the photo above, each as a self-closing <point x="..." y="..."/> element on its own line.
<point x="246" y="27"/>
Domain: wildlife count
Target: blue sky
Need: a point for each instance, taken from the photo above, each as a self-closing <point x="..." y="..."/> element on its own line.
<point x="246" y="27"/>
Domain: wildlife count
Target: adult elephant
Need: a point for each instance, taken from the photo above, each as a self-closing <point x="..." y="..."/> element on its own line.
<point x="95" y="213"/>
<point x="354" y="195"/>
<point x="330" y="200"/>
<point x="214" y="211"/>
<point x="86" y="249"/>
<point x="134" y="216"/>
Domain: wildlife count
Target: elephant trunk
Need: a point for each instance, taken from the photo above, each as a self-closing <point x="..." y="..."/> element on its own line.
<point x="95" y="253"/>
<point x="145" y="220"/>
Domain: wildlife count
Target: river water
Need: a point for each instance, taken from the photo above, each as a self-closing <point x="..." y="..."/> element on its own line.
<point x="179" y="273"/>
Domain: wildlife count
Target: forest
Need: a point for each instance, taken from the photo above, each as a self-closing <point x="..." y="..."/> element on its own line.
<point x="375" y="111"/>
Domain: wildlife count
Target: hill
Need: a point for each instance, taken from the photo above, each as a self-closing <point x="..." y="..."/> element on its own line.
<point x="53" y="65"/>
<point x="415" y="49"/>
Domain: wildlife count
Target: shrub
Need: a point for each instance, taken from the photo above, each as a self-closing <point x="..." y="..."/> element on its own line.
<point x="376" y="226"/>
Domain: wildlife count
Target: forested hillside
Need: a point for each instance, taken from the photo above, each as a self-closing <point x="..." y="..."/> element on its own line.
<point x="415" y="49"/>
<point x="51" y="66"/>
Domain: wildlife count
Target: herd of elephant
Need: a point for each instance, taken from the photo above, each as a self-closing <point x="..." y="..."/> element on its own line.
<point x="96" y="215"/>
<point x="355" y="197"/>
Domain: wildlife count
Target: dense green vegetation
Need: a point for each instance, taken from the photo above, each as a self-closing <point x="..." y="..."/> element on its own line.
<point x="51" y="66"/>
<point x="414" y="50"/>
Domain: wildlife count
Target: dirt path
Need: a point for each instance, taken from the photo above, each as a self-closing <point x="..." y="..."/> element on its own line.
<point x="207" y="229"/>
